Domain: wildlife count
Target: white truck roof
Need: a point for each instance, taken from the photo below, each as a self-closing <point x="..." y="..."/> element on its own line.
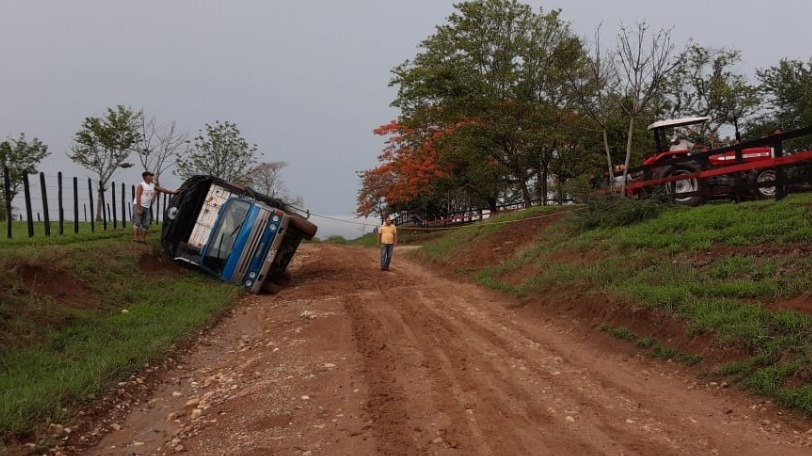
<point x="678" y="122"/>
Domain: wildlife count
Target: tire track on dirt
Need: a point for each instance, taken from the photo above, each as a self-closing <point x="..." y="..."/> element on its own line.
<point x="503" y="380"/>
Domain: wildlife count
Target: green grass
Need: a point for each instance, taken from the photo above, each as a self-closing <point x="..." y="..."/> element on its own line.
<point x="55" y="353"/>
<point x="86" y="232"/>
<point x="457" y="238"/>
<point x="712" y="267"/>
<point x="654" y="348"/>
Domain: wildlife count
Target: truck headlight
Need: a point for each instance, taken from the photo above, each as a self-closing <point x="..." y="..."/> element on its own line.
<point x="275" y="218"/>
<point x="272" y="227"/>
<point x="252" y="274"/>
<point x="248" y="283"/>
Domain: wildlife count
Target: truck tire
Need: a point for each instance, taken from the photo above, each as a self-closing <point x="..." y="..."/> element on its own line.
<point x="307" y="229"/>
<point x="283" y="279"/>
<point x="674" y="189"/>
<point x="271" y="287"/>
<point x="761" y="176"/>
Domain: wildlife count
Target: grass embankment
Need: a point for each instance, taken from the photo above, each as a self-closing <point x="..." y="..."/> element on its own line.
<point x="726" y="271"/>
<point x="70" y="235"/>
<point x="80" y="313"/>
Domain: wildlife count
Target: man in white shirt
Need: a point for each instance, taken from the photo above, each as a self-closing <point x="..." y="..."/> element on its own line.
<point x="145" y="193"/>
<point x="680" y="144"/>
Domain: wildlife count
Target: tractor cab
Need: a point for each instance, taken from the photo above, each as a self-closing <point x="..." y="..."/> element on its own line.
<point x="667" y="133"/>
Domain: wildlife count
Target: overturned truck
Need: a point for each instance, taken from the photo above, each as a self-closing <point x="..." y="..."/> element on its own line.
<point x="233" y="233"/>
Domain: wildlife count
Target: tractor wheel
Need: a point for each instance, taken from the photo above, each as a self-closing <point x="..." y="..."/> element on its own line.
<point x="677" y="188"/>
<point x="307" y="229"/>
<point x="761" y="176"/>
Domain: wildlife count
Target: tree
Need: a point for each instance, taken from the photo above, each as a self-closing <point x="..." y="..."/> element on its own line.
<point x="644" y="63"/>
<point x="498" y="66"/>
<point x="104" y="144"/>
<point x="705" y="84"/>
<point x="161" y="146"/>
<point x="595" y="83"/>
<point x="20" y="157"/>
<point x="788" y="89"/>
<point x="266" y="178"/>
<point x="410" y="167"/>
<point x="220" y="151"/>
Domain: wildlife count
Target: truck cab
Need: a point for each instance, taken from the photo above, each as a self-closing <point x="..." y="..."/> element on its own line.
<point x="233" y="233"/>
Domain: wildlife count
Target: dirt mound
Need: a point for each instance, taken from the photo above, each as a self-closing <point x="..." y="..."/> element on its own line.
<point x="155" y="263"/>
<point x="57" y="285"/>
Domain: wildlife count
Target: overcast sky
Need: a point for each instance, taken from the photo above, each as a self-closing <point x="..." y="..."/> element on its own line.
<point x="306" y="80"/>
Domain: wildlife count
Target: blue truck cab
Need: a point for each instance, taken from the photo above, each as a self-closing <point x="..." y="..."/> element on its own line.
<point x="233" y="233"/>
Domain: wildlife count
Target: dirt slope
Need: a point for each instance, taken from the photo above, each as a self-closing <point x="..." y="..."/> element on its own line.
<point x="351" y="360"/>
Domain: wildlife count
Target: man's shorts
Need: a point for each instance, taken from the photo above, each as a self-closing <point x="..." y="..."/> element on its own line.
<point x="142" y="222"/>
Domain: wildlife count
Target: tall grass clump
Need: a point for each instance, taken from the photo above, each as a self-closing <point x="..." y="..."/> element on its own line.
<point x="609" y="210"/>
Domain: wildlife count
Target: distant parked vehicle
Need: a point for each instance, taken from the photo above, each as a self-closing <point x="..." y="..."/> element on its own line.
<point x="233" y="233"/>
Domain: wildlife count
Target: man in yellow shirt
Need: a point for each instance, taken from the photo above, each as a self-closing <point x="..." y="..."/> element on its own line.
<point x="387" y="238"/>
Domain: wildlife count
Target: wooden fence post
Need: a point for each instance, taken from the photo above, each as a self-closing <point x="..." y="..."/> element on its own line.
<point x="28" y="211"/>
<point x="46" y="215"/>
<point x="123" y="208"/>
<point x="61" y="211"/>
<point x="90" y="196"/>
<point x="780" y="172"/>
<point x="75" y="205"/>
<point x="6" y="191"/>
<point x="113" y="204"/>
<point x="157" y="211"/>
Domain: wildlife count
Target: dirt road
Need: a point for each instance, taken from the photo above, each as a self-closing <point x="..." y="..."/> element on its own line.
<point x="351" y="360"/>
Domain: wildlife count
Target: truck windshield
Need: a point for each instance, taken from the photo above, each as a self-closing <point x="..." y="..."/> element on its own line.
<point x="222" y="239"/>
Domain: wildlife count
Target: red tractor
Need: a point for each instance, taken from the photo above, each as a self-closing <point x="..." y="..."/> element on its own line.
<point x="693" y="174"/>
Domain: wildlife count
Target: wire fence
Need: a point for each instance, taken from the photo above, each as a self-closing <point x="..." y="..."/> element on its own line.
<point x="60" y="204"/>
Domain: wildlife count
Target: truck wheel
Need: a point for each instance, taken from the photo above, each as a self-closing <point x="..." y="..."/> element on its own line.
<point x="684" y="186"/>
<point x="764" y="175"/>
<point x="307" y="229"/>
<point x="283" y="279"/>
<point x="271" y="287"/>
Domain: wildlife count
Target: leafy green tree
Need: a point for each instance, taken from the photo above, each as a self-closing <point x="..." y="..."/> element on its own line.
<point x="20" y="157"/>
<point x="498" y="66"/>
<point x="788" y="90"/>
<point x="704" y="83"/>
<point x="104" y="144"/>
<point x="595" y="85"/>
<point x="220" y="151"/>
